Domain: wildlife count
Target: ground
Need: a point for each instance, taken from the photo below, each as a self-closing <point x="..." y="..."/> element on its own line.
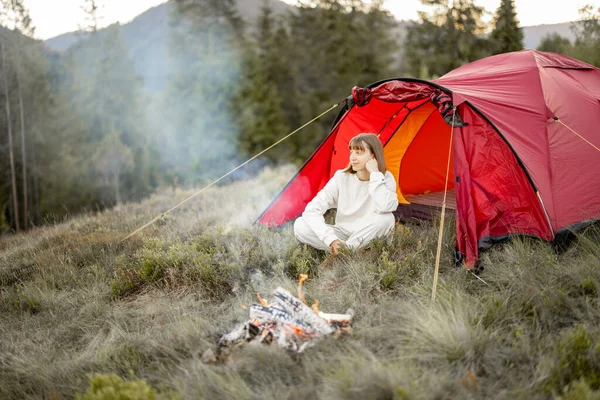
<point x="83" y="312"/>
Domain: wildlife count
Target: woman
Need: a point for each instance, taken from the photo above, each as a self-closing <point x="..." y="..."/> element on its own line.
<point x="364" y="194"/>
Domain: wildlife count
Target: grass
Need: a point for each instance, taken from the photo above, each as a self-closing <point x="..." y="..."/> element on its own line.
<point x="85" y="315"/>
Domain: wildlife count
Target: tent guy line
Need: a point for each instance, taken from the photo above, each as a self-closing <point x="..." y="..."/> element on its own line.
<point x="582" y="138"/>
<point x="230" y="172"/>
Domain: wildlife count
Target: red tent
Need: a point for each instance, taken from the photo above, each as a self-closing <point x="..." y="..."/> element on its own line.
<point x="526" y="159"/>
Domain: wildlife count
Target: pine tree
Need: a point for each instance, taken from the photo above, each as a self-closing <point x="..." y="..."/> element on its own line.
<point x="507" y="35"/>
<point x="446" y="38"/>
<point x="587" y="32"/>
<point x="260" y="101"/>
<point x="337" y="44"/>
<point x="91" y="10"/>
<point x="22" y="24"/>
<point x="36" y="118"/>
<point x="13" y="178"/>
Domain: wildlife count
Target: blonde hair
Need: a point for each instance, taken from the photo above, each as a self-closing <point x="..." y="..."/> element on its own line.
<point x="366" y="141"/>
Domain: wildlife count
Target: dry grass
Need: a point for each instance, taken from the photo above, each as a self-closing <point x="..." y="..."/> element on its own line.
<point x="76" y="301"/>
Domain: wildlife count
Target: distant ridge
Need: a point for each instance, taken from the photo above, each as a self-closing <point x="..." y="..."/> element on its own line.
<point x="147" y="34"/>
<point x="534" y="34"/>
<point x="155" y="19"/>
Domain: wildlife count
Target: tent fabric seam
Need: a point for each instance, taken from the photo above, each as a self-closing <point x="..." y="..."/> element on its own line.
<point x="549" y="158"/>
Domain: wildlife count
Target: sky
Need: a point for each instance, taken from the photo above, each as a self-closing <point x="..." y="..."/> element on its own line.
<point x="54" y="17"/>
<point x="529" y="12"/>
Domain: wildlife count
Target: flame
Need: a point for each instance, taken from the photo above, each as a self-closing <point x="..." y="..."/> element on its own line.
<point x="297" y="330"/>
<point x="315" y="306"/>
<point x="262" y="301"/>
<point x="303" y="277"/>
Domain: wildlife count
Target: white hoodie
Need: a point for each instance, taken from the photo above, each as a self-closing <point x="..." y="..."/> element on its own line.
<point x="354" y="199"/>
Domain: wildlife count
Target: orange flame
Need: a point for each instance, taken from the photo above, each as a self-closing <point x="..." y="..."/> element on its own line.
<point x="297" y="330"/>
<point x="303" y="277"/>
<point x="315" y="306"/>
<point x="262" y="301"/>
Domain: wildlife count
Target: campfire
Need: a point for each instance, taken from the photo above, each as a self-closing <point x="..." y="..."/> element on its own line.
<point x="287" y="321"/>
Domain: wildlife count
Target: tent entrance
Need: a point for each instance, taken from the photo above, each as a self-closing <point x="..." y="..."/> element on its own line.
<point x="417" y="156"/>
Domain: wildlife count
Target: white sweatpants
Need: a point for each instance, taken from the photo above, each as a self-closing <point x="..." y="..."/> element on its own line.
<point x="375" y="226"/>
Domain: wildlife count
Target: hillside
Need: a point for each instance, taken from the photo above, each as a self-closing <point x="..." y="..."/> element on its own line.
<point x="146" y="37"/>
<point x="76" y="301"/>
<point x="155" y="20"/>
<point x="533" y="35"/>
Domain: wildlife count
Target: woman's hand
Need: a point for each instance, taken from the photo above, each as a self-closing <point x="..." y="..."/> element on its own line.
<point x="372" y="165"/>
<point x="336" y="246"/>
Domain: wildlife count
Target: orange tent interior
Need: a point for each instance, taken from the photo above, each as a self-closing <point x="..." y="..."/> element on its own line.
<point x="417" y="156"/>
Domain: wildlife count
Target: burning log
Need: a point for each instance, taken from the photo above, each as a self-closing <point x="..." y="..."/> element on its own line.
<point x="303" y="312"/>
<point x="288" y="321"/>
<point x="274" y="313"/>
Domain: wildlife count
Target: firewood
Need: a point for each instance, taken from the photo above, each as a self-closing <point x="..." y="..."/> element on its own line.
<point x="335" y="317"/>
<point x="302" y="312"/>
<point x="263" y="313"/>
<point x="233" y="337"/>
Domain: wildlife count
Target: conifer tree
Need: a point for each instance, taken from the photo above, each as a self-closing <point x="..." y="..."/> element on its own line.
<point x="260" y="101"/>
<point x="103" y="89"/>
<point x="13" y="178"/>
<point x="587" y="32"/>
<point x="337" y="44"/>
<point x="507" y="35"/>
<point x="446" y="38"/>
<point x="22" y="24"/>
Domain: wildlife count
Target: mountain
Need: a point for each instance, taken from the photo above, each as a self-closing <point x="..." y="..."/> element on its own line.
<point x="147" y="34"/>
<point x="146" y="37"/>
<point x="535" y="34"/>
<point x="155" y="20"/>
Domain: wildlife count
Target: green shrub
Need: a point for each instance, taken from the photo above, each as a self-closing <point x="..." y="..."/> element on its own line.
<point x="589" y="286"/>
<point x="303" y="259"/>
<point x="579" y="390"/>
<point x="112" y="387"/>
<point x="205" y="263"/>
<point x="576" y="356"/>
<point x="19" y="300"/>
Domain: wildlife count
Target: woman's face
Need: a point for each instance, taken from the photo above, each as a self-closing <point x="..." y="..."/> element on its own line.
<point x="358" y="158"/>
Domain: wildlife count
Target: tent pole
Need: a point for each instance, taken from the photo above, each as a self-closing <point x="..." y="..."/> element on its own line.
<point x="441" y="234"/>
<point x="545" y="213"/>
